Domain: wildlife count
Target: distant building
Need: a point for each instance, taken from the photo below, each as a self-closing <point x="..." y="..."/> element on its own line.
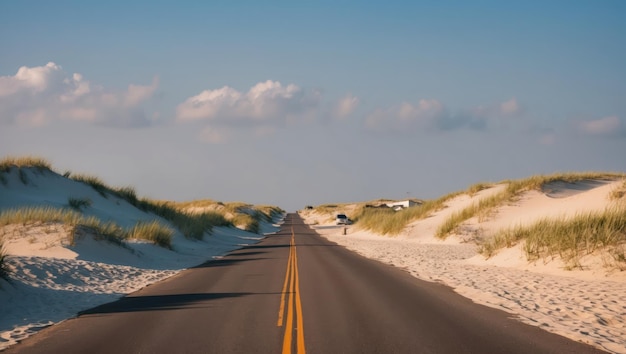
<point x="402" y="204"/>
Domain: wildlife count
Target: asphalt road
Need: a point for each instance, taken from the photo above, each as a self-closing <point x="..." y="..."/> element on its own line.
<point x="295" y="292"/>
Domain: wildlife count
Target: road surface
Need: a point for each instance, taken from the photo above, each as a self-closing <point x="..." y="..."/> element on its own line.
<point x="295" y="292"/>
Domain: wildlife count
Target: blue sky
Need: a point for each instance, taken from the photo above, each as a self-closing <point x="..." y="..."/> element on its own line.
<point x="295" y="103"/>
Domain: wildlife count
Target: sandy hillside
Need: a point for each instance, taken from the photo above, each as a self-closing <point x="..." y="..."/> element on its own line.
<point x="51" y="278"/>
<point x="582" y="304"/>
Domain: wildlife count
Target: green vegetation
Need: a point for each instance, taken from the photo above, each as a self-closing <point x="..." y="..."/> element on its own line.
<point x="79" y="203"/>
<point x="96" y="183"/>
<point x="18" y="162"/>
<point x="569" y="238"/>
<point x="105" y="230"/>
<point x="191" y="225"/>
<point x="475" y="188"/>
<point x="27" y="161"/>
<point x="387" y="221"/>
<point x="242" y="215"/>
<point x="199" y="203"/>
<point x="153" y="231"/>
<point x="514" y="188"/>
<point x="109" y="231"/>
<point x="246" y="222"/>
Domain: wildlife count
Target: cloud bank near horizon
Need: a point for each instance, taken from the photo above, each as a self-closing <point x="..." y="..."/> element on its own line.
<point x="38" y="96"/>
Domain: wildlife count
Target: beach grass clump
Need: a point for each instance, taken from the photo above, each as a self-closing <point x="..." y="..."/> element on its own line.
<point x="198" y="203"/>
<point x="153" y="231"/>
<point x="5" y="271"/>
<point x="191" y="225"/>
<point x="243" y="215"/>
<point x="79" y="203"/>
<point x="619" y="192"/>
<point x="268" y="212"/>
<point x="127" y="193"/>
<point x="80" y="225"/>
<point x="568" y="238"/>
<point x="513" y="190"/>
<point x="30" y="215"/>
<point x="9" y="162"/>
<point x="475" y="188"/>
<point x="95" y="182"/>
<point x="386" y="221"/>
<point x="246" y="222"/>
<point x="482" y="207"/>
<point x="38" y="163"/>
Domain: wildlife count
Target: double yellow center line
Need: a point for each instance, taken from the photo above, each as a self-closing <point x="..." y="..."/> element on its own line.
<point x="293" y="283"/>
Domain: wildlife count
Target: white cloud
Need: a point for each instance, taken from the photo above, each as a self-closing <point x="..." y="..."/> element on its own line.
<point x="40" y="95"/>
<point x="264" y="102"/>
<point x="406" y="117"/>
<point x="606" y="126"/>
<point x="345" y="106"/>
<point x="265" y="105"/>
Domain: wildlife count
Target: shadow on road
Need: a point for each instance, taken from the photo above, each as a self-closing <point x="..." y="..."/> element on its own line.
<point x="161" y="302"/>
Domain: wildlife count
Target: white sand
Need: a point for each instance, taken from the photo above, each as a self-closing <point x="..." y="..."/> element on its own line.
<point x="52" y="281"/>
<point x="584" y="305"/>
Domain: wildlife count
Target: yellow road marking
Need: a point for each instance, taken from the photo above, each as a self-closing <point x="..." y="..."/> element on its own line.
<point x="301" y="348"/>
<point x="281" y="311"/>
<point x="291" y="277"/>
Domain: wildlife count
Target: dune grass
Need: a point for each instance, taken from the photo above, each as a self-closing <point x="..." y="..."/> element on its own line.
<point x="191" y="225"/>
<point x="5" y="271"/>
<point x="246" y="222"/>
<point x="198" y="203"/>
<point x="240" y="214"/>
<point x="96" y="183"/>
<point x="109" y="231"/>
<point x="513" y="190"/>
<point x="153" y="231"/>
<point x="78" y="203"/>
<point x="7" y="163"/>
<point x="39" y="163"/>
<point x="619" y="192"/>
<point x="387" y="221"/>
<point x="569" y="238"/>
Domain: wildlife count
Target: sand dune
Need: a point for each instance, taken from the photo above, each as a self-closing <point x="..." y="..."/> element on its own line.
<point x="584" y="305"/>
<point x="52" y="280"/>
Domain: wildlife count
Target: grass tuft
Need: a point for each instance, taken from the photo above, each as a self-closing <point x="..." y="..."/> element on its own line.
<point x="246" y="222"/>
<point x="79" y="203"/>
<point x="619" y="192"/>
<point x="569" y="238"/>
<point x="513" y="190"/>
<point x="153" y="231"/>
<point x="96" y="183"/>
<point x="81" y="225"/>
<point x="26" y="161"/>
<point x="387" y="221"/>
<point x="5" y="271"/>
